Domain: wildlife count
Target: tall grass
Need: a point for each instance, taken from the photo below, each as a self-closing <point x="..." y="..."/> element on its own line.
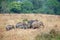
<point x="1" y="36"/>
<point x="53" y="35"/>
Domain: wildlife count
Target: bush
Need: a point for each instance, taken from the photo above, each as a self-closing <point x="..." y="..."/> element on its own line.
<point x="15" y="7"/>
<point x="53" y="35"/>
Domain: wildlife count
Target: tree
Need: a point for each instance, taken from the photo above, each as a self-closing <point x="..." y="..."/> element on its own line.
<point x="52" y="5"/>
<point x="15" y="7"/>
<point x="27" y="6"/>
<point x="3" y="5"/>
<point x="30" y="6"/>
<point x="37" y="4"/>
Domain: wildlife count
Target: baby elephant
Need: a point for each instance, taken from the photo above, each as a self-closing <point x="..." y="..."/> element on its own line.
<point x="9" y="27"/>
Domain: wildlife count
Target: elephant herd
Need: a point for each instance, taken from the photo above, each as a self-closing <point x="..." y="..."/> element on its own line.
<point x="31" y="24"/>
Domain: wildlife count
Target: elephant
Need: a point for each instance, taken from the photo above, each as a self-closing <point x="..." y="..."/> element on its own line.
<point x="9" y="27"/>
<point x="37" y="24"/>
<point x="30" y="23"/>
<point x="22" y="25"/>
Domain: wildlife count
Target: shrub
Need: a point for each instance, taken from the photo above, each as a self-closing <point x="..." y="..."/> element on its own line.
<point x="53" y="35"/>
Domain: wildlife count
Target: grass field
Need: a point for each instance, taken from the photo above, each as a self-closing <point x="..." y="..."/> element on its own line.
<point x="50" y="22"/>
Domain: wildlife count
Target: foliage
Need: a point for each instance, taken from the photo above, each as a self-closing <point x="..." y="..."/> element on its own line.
<point x="15" y="7"/>
<point x="30" y="6"/>
<point x="27" y="7"/>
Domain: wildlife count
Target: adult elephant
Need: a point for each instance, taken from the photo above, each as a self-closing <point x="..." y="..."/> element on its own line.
<point x="37" y="24"/>
<point x="22" y="25"/>
<point x="30" y="23"/>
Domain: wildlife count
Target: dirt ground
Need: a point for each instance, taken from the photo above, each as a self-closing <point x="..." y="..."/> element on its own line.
<point x="50" y="22"/>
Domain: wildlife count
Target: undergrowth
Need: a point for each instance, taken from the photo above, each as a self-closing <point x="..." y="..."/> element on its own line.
<point x="52" y="35"/>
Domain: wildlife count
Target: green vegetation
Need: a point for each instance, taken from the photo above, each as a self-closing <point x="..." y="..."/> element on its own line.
<point x="53" y="35"/>
<point x="30" y="6"/>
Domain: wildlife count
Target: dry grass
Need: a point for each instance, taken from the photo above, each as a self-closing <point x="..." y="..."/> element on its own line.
<point x="52" y="35"/>
<point x="50" y="22"/>
<point x="20" y="34"/>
